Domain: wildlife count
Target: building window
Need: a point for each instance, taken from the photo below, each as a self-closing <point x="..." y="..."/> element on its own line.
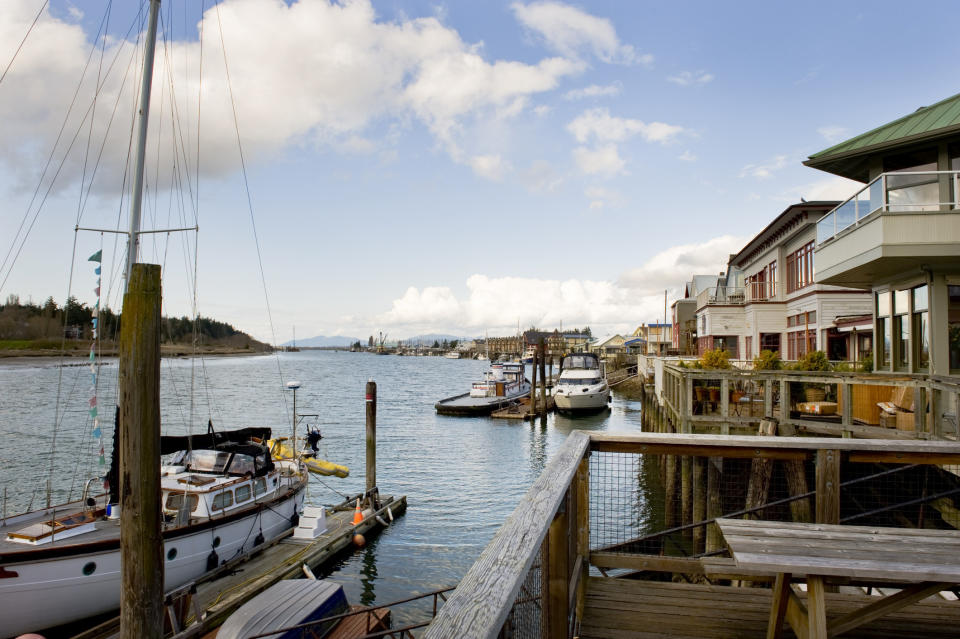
<point x="901" y="330"/>
<point x="770" y="342"/>
<point x="800" y="268"/>
<point x="772" y="280"/>
<point x="748" y="346"/>
<point x="912" y="192"/>
<point x="953" y="326"/>
<point x="921" y="329"/>
<point x="727" y="343"/>
<point x="883" y="331"/>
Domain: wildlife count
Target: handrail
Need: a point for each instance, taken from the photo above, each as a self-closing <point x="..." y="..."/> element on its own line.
<point x="856" y="208"/>
<point x="481" y="603"/>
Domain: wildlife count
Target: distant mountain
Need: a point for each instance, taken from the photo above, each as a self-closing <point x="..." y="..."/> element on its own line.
<point x="321" y="341"/>
<point x="428" y="340"/>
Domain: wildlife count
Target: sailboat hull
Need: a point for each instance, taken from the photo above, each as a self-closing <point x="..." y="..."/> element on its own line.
<point x="62" y="582"/>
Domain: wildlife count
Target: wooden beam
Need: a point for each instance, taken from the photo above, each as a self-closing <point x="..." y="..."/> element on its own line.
<point x="778" y="605"/>
<point x="558" y="576"/>
<point x="886" y="605"/>
<point x="816" y="608"/>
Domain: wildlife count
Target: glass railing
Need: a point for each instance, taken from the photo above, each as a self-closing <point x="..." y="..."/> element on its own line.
<point x="899" y="191"/>
<point x="721" y="295"/>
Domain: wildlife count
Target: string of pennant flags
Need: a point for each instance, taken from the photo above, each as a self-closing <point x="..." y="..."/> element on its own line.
<point x="97" y="432"/>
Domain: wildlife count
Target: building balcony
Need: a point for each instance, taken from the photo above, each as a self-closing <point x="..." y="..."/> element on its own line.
<point x="721" y="295"/>
<point x="894" y="223"/>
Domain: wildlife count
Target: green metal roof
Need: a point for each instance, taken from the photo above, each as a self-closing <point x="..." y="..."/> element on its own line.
<point x="927" y="122"/>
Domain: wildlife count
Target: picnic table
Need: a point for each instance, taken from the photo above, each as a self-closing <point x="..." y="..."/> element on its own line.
<point x="927" y="560"/>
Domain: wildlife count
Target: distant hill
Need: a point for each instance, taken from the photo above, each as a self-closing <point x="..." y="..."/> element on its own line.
<point x="322" y="341"/>
<point x="428" y="340"/>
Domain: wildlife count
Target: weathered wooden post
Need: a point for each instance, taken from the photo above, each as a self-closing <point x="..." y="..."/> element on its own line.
<point x="533" y="385"/>
<point x="558" y="573"/>
<point x="699" y="501"/>
<point x="714" y="502"/>
<point x="796" y="476"/>
<point x="686" y="493"/>
<point x="371" y="400"/>
<point x="542" y="348"/>
<point x="828" y="486"/>
<point x="141" y="542"/>
<point x="761" y="471"/>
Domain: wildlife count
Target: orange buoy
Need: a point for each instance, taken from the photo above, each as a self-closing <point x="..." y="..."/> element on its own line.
<point x="357" y="515"/>
<point x="359" y="541"/>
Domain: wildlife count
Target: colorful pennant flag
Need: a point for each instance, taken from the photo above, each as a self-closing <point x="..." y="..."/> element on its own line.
<point x="96" y="257"/>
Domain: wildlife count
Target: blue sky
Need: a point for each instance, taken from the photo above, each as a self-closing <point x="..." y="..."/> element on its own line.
<point x="457" y="167"/>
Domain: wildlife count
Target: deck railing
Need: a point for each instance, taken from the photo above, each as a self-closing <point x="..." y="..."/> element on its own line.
<point x="720" y="295"/>
<point x="898" y="191"/>
<point x="826" y="403"/>
<point x="610" y="504"/>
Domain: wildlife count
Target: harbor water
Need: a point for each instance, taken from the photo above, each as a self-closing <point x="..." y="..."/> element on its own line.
<point x="462" y="476"/>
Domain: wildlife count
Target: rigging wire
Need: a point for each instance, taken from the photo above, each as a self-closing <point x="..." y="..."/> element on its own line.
<point x="8" y="263"/>
<point x="26" y="35"/>
<point x="246" y="185"/>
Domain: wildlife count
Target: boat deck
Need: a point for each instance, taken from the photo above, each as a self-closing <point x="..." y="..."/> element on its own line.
<point x="634" y="609"/>
<point x="464" y="404"/>
<point x="101" y="530"/>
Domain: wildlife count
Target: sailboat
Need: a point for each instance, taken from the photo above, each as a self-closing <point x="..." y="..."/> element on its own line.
<point x="222" y="495"/>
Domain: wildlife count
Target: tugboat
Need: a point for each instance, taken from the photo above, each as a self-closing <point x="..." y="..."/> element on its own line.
<point x="502" y="385"/>
<point x="582" y="386"/>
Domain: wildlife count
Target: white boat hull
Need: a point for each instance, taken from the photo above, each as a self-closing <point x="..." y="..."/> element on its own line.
<point x="593" y="400"/>
<point x="56" y="591"/>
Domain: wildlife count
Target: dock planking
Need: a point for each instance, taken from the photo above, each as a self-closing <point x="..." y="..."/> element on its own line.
<point x="224" y="590"/>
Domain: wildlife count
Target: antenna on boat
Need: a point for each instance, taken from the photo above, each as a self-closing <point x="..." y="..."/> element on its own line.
<point x="293" y="448"/>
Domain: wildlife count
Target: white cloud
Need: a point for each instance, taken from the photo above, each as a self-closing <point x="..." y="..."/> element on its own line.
<point x="573" y="32"/>
<point x="497" y="303"/>
<point x="832" y="133"/>
<point x="673" y="267"/>
<point x="601" y="198"/>
<point x="491" y="167"/>
<point x="312" y="72"/>
<point x="691" y="78"/>
<point x="594" y="91"/>
<point x="600" y="125"/>
<point x="833" y="188"/>
<point x="541" y="110"/>
<point x="764" y="171"/>
<point x="540" y="177"/>
<point x="687" y="156"/>
<point x="603" y="160"/>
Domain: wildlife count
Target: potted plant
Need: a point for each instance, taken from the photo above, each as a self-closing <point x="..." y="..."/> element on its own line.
<point x="813" y="361"/>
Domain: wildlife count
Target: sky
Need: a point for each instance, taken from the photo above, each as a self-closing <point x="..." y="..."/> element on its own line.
<point x="415" y="167"/>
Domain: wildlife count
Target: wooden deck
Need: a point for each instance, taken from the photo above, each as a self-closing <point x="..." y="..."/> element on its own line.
<point x="632" y="609"/>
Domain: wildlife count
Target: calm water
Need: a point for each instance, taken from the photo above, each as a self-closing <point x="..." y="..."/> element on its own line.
<point x="462" y="476"/>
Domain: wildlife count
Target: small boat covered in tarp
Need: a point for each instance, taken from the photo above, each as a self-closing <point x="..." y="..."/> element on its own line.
<point x="285" y="604"/>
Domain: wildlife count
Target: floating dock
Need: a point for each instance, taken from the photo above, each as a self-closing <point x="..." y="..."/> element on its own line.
<point x="200" y="607"/>
<point x="521" y="409"/>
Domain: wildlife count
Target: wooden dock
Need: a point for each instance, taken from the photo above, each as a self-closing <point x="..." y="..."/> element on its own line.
<point x="521" y="409"/>
<point x="222" y="591"/>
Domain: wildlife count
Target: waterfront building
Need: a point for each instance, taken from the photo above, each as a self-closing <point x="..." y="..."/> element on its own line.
<point x="651" y="339"/>
<point x="684" y="314"/>
<point x="608" y="346"/>
<point x="772" y="299"/>
<point x="899" y="236"/>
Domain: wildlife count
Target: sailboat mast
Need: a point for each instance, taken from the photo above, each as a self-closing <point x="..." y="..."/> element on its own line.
<point x="136" y="197"/>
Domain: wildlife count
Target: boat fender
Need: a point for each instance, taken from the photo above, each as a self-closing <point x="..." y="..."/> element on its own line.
<point x="213" y="560"/>
<point x="389" y="513"/>
<point x="382" y="522"/>
<point x="258" y="540"/>
<point x="295" y="519"/>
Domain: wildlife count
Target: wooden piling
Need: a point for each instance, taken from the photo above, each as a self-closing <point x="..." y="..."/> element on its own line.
<point x="670" y="491"/>
<point x="714" y="502"/>
<point x="141" y="542"/>
<point x="761" y="471"/>
<point x="371" y="401"/>
<point x="796" y="476"/>
<point x="686" y="493"/>
<point x="533" y="386"/>
<point x="558" y="575"/>
<point x="699" y="501"/>
<point x="542" y="347"/>
<point x="828" y="486"/>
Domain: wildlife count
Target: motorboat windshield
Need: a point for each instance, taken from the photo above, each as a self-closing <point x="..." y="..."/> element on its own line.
<point x="587" y="361"/>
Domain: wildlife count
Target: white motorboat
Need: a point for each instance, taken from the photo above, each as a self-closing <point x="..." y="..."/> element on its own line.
<point x="582" y="386"/>
<point x="502" y="384"/>
<point x="452" y="354"/>
<point x="222" y="496"/>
